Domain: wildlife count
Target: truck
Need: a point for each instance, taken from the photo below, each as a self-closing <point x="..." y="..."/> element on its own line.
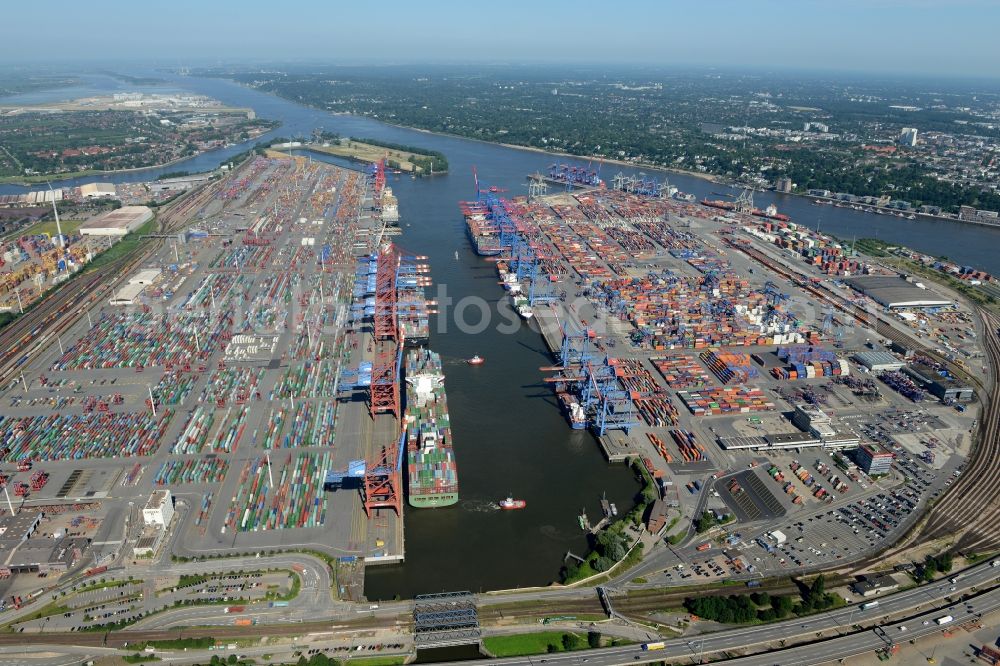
<point x="945" y="619"/>
<point x="244" y="622"/>
<point x="658" y="645"/>
<point x="870" y="604"/>
<point x="277" y="604"/>
<point x="234" y="609"/>
<point x="703" y="547"/>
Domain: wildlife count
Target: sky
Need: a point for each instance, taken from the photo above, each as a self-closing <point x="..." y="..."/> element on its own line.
<point x="955" y="38"/>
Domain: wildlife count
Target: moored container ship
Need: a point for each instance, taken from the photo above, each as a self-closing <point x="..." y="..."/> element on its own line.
<point x="431" y="468"/>
<point x="484" y="234"/>
<point x="771" y="212"/>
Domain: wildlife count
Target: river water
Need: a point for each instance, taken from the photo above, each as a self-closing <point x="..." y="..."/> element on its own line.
<point x="510" y="436"/>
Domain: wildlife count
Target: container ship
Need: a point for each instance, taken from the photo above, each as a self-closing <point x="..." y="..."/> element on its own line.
<point x="431" y="469"/>
<point x="483" y="232"/>
<point x="771" y="212"/>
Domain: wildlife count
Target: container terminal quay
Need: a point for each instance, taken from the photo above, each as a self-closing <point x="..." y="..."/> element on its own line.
<point x="232" y="424"/>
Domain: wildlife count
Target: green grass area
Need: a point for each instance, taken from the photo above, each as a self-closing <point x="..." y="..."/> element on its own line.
<point x="103" y="585"/>
<point x="517" y="645"/>
<point x="380" y="661"/>
<point x="139" y="658"/>
<point x="44" y="178"/>
<point x="51" y="608"/>
<point x="48" y="227"/>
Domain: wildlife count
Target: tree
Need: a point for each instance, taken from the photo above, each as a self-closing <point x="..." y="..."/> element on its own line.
<point x="782" y="605"/>
<point x="818" y="588"/>
<point x="761" y="598"/>
<point x="571" y="642"/>
<point x="594" y="639"/>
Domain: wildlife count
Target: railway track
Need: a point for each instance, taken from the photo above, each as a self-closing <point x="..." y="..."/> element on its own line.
<point x="33" y="332"/>
<point x="118" y="639"/>
<point x="971" y="507"/>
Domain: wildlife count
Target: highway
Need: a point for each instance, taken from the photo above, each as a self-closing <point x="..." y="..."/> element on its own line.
<point x="929" y="600"/>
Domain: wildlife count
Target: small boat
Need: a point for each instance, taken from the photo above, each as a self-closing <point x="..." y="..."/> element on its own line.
<point x="456" y="255"/>
<point x="511" y="504"/>
<point x="614" y="509"/>
<point x="476" y="360"/>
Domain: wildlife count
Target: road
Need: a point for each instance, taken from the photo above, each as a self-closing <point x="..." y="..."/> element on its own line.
<point x="930" y="601"/>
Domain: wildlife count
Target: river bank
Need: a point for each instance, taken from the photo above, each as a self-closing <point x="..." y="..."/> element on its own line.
<point x="885" y="210"/>
<point x="30" y="181"/>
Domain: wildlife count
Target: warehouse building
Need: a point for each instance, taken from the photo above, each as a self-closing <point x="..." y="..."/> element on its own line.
<point x="873" y="459"/>
<point x="878" y="361"/>
<point x="159" y="510"/>
<point x="946" y="389"/>
<point x="897" y="292"/>
<point x="145" y="276"/>
<point x="19" y="527"/>
<point x="117" y="222"/>
<point x="98" y="190"/>
<point x="43" y="555"/>
<point x="127" y="295"/>
<point x="785" y="441"/>
<point x="657" y="520"/>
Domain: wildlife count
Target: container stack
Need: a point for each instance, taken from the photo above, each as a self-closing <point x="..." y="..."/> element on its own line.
<point x="681" y="371"/>
<point x="725" y="400"/>
<point x="729" y="366"/>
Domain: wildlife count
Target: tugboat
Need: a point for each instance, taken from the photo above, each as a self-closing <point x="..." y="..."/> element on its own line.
<point x="511" y="504"/>
<point x="475" y="360"/>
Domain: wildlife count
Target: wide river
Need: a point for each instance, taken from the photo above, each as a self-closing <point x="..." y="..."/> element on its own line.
<point x="510" y="436"/>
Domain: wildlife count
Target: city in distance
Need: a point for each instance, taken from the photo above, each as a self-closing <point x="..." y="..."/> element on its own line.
<point x="340" y="337"/>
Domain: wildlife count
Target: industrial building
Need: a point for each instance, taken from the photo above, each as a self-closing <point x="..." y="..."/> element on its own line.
<point x="159" y="510"/>
<point x="117" y="222"/>
<point x="878" y="361"/>
<point x="871" y="585"/>
<point x="657" y="517"/>
<point x="794" y="440"/>
<point x="43" y="555"/>
<point x="813" y="420"/>
<point x="873" y="459"/>
<point x="98" y="190"/>
<point x="896" y="292"/>
<point x="145" y="276"/>
<point x="946" y="389"/>
<point x="19" y="527"/>
<point x="127" y="295"/>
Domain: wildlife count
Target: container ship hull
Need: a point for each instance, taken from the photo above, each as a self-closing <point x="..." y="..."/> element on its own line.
<point x="485" y="244"/>
<point x="729" y="205"/>
<point x="431" y="469"/>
